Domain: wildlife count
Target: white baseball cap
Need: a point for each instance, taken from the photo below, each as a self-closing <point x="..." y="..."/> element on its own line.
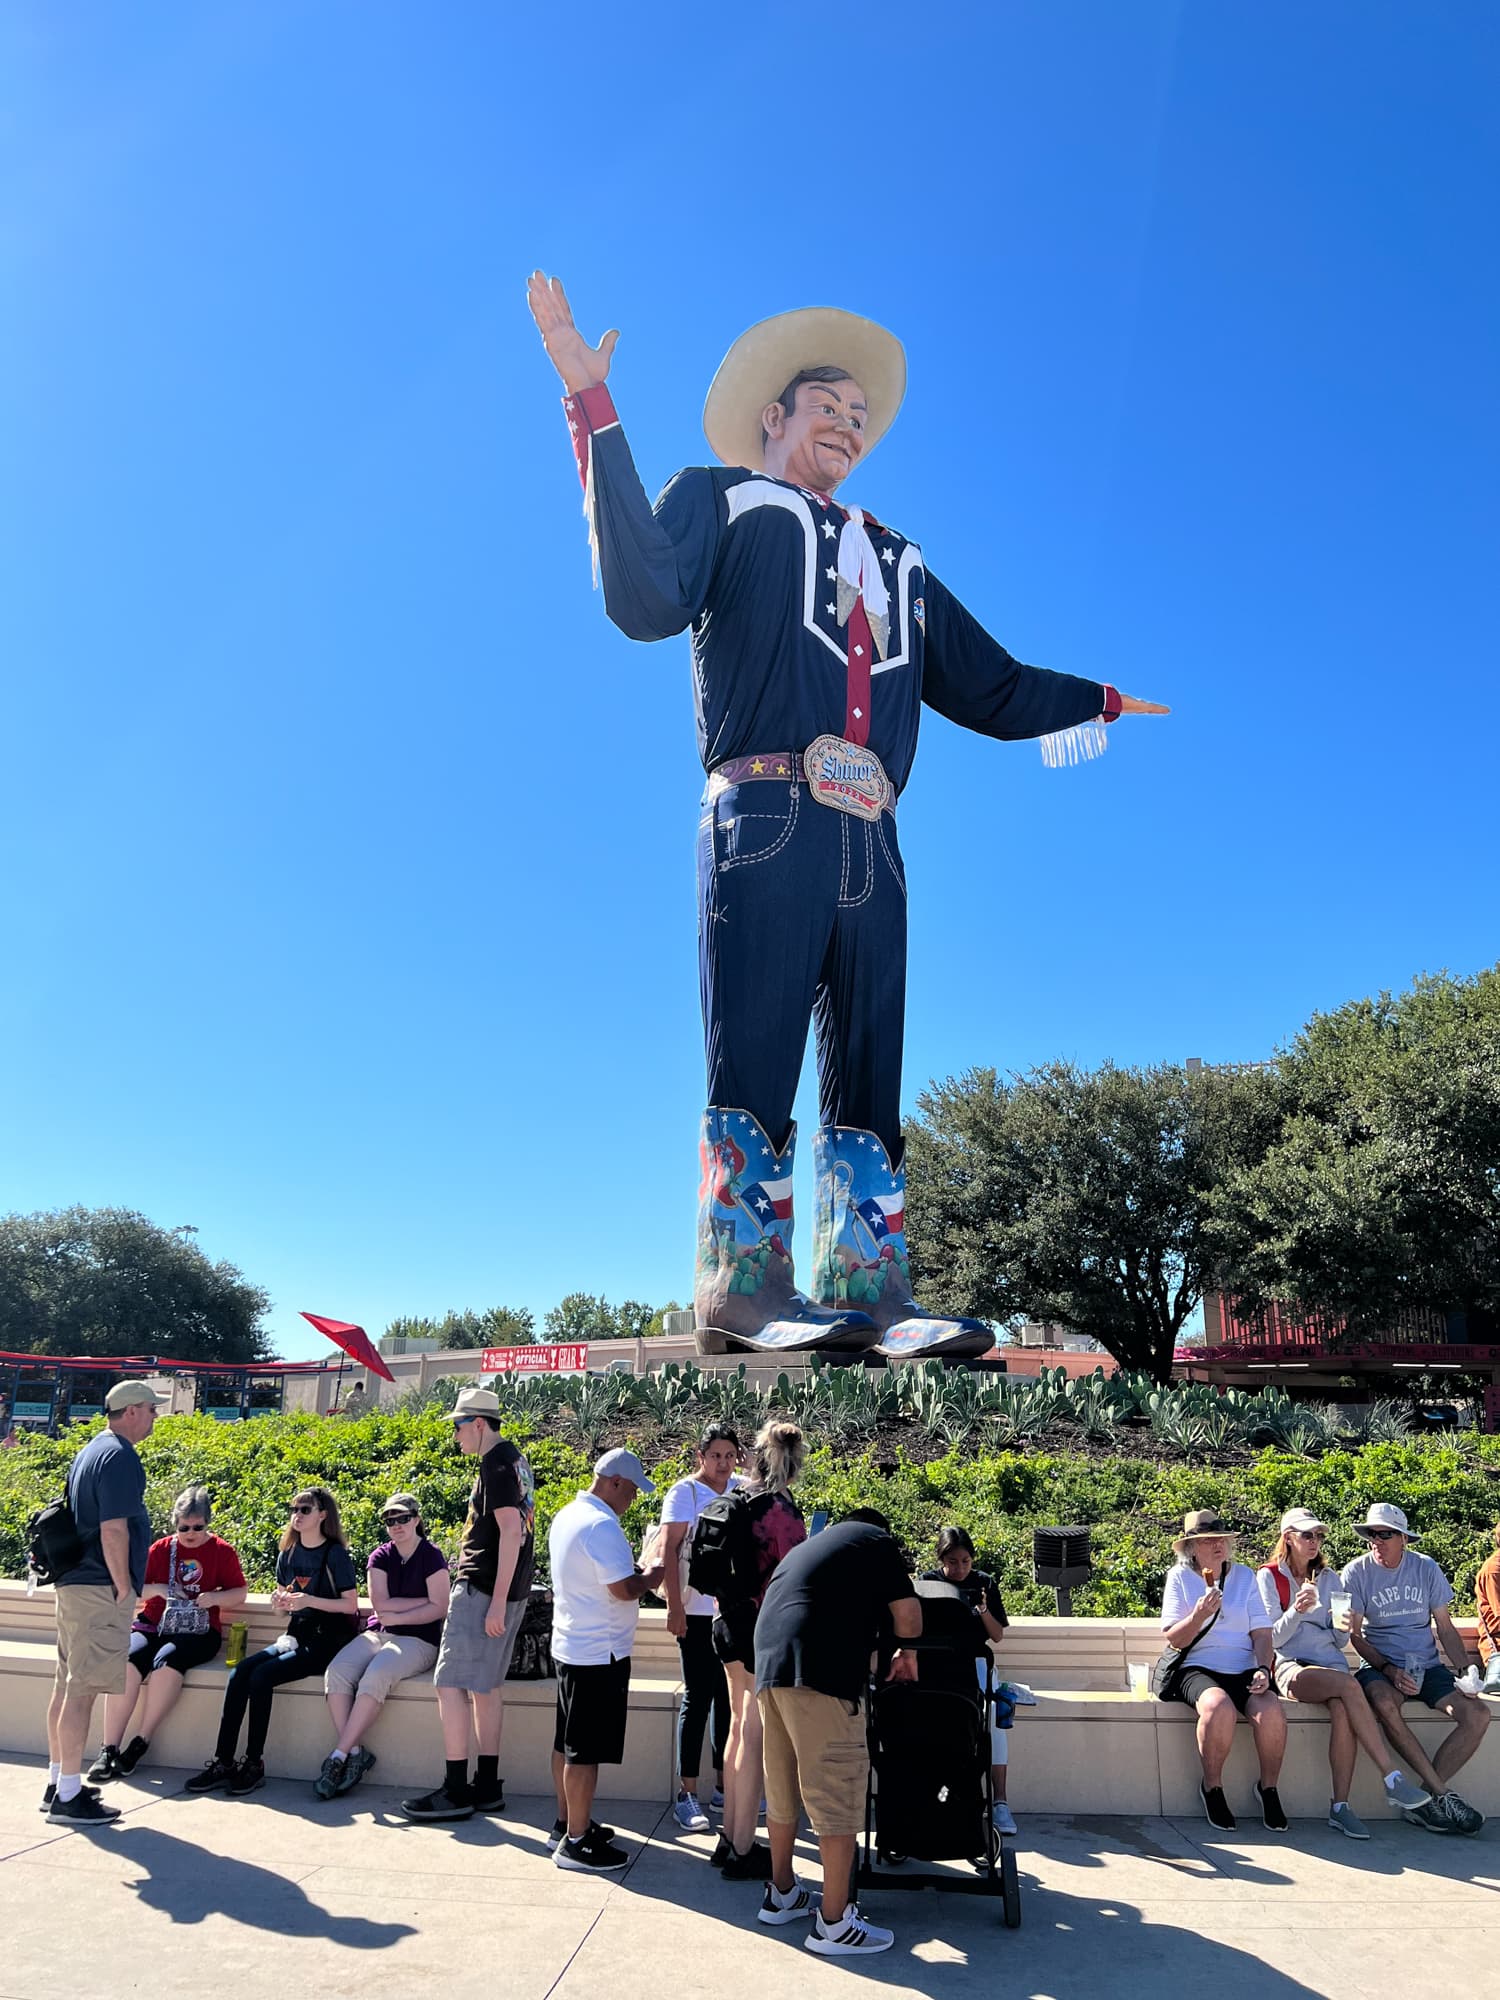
<point x="1300" y="1519"/>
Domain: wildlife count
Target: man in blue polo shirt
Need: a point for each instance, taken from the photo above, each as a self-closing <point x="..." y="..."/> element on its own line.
<point x="96" y="1599"/>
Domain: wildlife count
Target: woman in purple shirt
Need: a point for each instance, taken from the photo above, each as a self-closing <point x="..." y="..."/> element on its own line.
<point x="408" y="1583"/>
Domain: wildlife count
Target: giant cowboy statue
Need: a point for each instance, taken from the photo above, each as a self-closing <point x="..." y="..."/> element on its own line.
<point x="817" y="634"/>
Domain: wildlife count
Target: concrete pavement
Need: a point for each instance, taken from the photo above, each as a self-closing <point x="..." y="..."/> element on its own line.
<point x="279" y="1895"/>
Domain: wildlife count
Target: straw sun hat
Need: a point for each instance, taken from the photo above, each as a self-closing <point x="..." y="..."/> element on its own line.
<point x="763" y="360"/>
<point x="1196" y="1527"/>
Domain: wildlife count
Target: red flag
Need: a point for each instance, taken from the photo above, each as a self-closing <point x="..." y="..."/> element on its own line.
<point x="355" y="1342"/>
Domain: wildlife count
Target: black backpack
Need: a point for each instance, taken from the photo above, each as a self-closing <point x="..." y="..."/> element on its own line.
<point x="53" y="1543"/>
<point x="721" y="1558"/>
<point x="532" y="1658"/>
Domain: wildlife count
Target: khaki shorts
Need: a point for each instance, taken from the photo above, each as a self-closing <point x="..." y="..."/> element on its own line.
<point x="93" y="1638"/>
<point x="815" y="1756"/>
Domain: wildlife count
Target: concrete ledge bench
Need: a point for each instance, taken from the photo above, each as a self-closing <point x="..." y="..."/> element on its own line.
<point x="1089" y="1745"/>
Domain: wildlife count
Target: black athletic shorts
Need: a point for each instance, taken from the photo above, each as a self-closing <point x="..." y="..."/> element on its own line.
<point x="1195" y="1681"/>
<point x="189" y="1650"/>
<point x="592" y="1705"/>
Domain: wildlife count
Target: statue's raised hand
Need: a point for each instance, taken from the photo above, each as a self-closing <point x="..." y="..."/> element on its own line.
<point x="580" y="366"/>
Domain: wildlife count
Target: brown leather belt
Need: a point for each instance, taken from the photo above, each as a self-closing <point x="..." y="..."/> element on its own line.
<point x="791" y="765"/>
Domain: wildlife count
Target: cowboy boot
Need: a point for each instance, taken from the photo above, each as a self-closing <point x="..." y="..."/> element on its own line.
<point x="744" y="1294"/>
<point x="859" y="1249"/>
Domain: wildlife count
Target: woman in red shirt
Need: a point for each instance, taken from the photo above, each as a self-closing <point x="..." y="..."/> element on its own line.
<point x="191" y="1577"/>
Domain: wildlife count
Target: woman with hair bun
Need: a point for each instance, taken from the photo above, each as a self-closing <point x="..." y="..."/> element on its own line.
<point x="776" y="1525"/>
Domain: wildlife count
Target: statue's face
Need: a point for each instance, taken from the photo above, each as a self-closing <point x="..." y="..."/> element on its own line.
<point x="818" y="443"/>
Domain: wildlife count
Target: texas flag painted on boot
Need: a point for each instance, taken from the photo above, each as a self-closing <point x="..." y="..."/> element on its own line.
<point x="859" y="1249"/>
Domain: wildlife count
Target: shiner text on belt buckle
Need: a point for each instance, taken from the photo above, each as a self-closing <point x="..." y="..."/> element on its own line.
<point x="846" y="777"/>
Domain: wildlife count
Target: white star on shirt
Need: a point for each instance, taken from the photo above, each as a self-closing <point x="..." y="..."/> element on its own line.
<point x="832" y="575"/>
<point x="832" y="610"/>
<point x="888" y="555"/>
<point x="830" y="530"/>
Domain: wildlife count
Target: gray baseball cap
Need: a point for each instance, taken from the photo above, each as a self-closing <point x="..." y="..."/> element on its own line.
<point x="622" y="1464"/>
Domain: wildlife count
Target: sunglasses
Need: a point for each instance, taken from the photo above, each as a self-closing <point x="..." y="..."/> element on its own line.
<point x="1309" y="1534"/>
<point x="1382" y="1534"/>
<point x="192" y="1527"/>
<point x="459" y="1422"/>
<point x="397" y="1520"/>
<point x="304" y="1507"/>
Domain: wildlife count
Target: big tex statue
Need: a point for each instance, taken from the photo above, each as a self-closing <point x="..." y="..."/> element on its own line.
<point x="817" y="634"/>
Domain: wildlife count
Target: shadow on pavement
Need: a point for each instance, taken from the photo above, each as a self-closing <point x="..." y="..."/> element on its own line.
<point x="188" y="1884"/>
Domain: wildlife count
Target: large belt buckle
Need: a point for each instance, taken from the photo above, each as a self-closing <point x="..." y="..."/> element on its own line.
<point x="845" y="776"/>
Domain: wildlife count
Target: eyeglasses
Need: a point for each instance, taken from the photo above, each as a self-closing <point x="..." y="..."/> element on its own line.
<point x="304" y="1507"/>
<point x="397" y="1520"/>
<point x="1382" y="1534"/>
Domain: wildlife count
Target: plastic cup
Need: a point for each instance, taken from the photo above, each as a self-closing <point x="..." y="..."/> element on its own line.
<point x="1341" y="1605"/>
<point x="1140" y="1680"/>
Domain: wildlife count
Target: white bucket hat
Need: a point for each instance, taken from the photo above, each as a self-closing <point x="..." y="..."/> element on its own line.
<point x="1383" y="1515"/>
<point x="766" y="357"/>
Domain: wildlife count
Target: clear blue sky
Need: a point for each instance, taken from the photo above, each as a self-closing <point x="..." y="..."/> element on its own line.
<point x="320" y="932"/>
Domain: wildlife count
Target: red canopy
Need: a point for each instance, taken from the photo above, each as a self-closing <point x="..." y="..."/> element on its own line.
<point x="355" y="1342"/>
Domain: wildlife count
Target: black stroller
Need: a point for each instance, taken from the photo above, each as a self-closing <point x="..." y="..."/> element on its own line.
<point x="930" y="1793"/>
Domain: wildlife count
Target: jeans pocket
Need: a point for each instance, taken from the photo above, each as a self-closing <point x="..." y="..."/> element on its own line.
<point x="753" y="822"/>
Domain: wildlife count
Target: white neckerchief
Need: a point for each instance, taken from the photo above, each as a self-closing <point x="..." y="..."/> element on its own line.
<point x="859" y="566"/>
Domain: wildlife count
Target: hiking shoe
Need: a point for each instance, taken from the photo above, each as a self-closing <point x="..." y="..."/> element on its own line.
<point x="560" y="1827"/>
<point x="107" y="1766"/>
<point x="51" y="1793"/>
<point x="850" y="1937"/>
<point x="723" y="1848"/>
<point x="1272" y="1812"/>
<point x="1344" y="1820"/>
<point x="83" y="1809"/>
<point x="589" y="1856"/>
<point x="249" y="1776"/>
<point x="330" y="1779"/>
<point x="1432" y="1817"/>
<point x="1002" y="1818"/>
<point x="132" y="1754"/>
<point x="357" y="1766"/>
<point x="791" y="1908"/>
<point x="440" y="1805"/>
<point x="752" y="1866"/>
<point x="1216" y="1808"/>
<point x="1460" y="1814"/>
<point x="1403" y="1794"/>
<point x="689" y="1815"/>
<point x="214" y="1776"/>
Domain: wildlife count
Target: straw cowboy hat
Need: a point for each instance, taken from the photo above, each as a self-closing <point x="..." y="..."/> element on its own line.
<point x="1198" y="1527"/>
<point x="763" y="360"/>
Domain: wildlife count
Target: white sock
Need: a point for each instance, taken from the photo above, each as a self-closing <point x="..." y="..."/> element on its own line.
<point x="70" y="1786"/>
<point x="53" y="1771"/>
<point x="1338" y="1805"/>
<point x="338" y="1756"/>
<point x="1392" y="1778"/>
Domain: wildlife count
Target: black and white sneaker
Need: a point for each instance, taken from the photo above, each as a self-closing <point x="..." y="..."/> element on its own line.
<point x="1460" y="1815"/>
<point x="589" y="1856"/>
<point x="791" y="1908"/>
<point x="1216" y="1808"/>
<point x="83" y="1809"/>
<point x="560" y="1827"/>
<point x="490" y="1802"/>
<point x="440" y="1805"/>
<point x="51" y="1793"/>
<point x="106" y="1766"/>
<point x="1272" y="1811"/>
<point x="850" y="1937"/>
<point x="132" y="1754"/>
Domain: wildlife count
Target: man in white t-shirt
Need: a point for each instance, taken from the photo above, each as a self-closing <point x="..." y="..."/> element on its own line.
<point x="596" y="1594"/>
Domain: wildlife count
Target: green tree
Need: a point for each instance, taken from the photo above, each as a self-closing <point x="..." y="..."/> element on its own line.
<point x="581" y="1316"/>
<point x="1382" y="1193"/>
<point x="657" y="1324"/>
<point x="500" y="1326"/>
<point x="107" y="1281"/>
<point x="1080" y="1198"/>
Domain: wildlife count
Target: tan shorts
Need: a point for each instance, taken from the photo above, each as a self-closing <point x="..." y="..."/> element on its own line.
<point x="815" y="1756"/>
<point x="93" y="1638"/>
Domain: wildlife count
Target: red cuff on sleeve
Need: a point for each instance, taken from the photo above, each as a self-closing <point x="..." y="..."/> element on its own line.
<point x="1112" y="703"/>
<point x="589" y="411"/>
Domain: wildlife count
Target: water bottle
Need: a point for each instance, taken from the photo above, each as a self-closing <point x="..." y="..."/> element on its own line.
<point x="234" y="1652"/>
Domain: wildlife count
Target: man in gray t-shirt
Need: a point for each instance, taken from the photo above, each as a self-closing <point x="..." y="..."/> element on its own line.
<point x="1401" y="1605"/>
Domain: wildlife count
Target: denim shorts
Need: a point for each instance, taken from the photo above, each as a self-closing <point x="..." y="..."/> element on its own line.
<point x="1437" y="1684"/>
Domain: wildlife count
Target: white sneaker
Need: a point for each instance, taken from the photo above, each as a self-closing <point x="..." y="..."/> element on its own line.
<point x="850" y="1937"/>
<point x="794" y="1906"/>
<point x="689" y="1815"/>
<point x="1003" y="1818"/>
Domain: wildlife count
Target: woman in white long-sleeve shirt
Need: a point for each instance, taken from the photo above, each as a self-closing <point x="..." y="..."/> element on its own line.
<point x="1310" y="1665"/>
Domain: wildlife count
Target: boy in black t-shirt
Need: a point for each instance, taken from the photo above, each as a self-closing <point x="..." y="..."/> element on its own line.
<point x="491" y="1588"/>
<point x="955" y="1554"/>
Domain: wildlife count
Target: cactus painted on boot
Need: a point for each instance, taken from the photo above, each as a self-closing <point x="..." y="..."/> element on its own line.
<point x="859" y="1249"/>
<point x="744" y="1288"/>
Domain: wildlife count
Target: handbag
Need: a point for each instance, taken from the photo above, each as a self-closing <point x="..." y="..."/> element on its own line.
<point x="1169" y="1663"/>
<point x="653" y="1545"/>
<point x="322" y="1628"/>
<point x="181" y="1617"/>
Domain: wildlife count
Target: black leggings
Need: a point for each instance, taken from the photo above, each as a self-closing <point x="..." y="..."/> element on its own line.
<point x="705" y="1692"/>
<point x="252" y="1686"/>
